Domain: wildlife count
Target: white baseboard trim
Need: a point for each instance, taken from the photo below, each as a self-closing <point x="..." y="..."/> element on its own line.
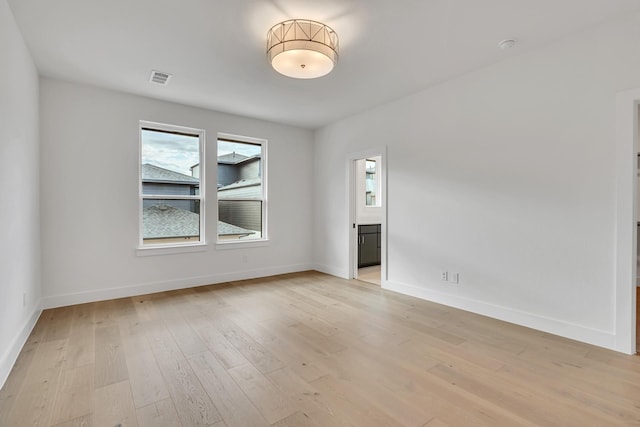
<point x="331" y="271"/>
<point x="11" y="355"/>
<point x="553" y="326"/>
<point x="54" y="301"/>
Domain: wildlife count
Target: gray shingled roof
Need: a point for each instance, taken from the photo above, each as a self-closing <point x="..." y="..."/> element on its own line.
<point x="226" y="229"/>
<point x="165" y="221"/>
<point x="232" y="158"/>
<point x="153" y="173"/>
<point x="235" y="158"/>
<point x="244" y="189"/>
<point x="242" y="183"/>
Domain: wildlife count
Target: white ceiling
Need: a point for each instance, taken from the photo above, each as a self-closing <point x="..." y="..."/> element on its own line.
<point x="215" y="49"/>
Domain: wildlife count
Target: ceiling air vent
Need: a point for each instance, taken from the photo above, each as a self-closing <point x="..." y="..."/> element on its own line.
<point x="159" y="77"/>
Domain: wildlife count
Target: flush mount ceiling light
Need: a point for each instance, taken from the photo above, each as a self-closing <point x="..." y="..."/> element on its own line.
<point x="302" y="49"/>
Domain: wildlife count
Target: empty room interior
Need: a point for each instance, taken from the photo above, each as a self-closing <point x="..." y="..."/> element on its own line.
<point x="319" y="213"/>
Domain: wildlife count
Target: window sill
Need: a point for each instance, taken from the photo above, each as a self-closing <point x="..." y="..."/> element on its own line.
<point x="170" y="250"/>
<point x="244" y="244"/>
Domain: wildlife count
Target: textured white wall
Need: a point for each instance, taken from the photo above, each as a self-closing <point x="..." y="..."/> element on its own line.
<point x="20" y="189"/>
<point x="90" y="197"/>
<point x="506" y="176"/>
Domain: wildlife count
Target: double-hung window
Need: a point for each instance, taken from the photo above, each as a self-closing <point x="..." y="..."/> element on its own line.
<point x="171" y="185"/>
<point x="242" y="200"/>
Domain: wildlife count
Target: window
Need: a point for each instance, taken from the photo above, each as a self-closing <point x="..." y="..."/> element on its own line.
<point x="171" y="185"/>
<point x="242" y="202"/>
<point x="371" y="182"/>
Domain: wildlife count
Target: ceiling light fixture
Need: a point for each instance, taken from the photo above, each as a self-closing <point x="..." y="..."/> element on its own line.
<point x="302" y="49"/>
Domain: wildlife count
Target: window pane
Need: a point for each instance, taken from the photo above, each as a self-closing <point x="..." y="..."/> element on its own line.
<point x="170" y="163"/>
<point x="170" y="158"/>
<point x="170" y="221"/>
<point x="239" y="170"/>
<point x="240" y="191"/>
<point x="371" y="184"/>
<point x="239" y="219"/>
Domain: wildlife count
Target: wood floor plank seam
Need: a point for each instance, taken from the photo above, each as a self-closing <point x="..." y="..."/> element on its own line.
<point x="306" y="349"/>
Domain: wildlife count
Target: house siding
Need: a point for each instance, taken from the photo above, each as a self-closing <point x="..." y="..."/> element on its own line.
<point x="250" y="169"/>
<point x="245" y="214"/>
<point x="227" y="174"/>
<point x="168" y="189"/>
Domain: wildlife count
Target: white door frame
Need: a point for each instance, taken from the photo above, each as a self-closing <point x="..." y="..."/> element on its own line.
<point x="351" y="202"/>
<point x="626" y="220"/>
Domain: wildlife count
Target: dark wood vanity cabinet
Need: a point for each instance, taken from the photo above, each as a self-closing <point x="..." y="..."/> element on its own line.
<point x="369" y="237"/>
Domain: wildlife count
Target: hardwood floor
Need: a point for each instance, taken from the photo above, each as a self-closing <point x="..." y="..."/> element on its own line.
<point x="306" y="349"/>
<point x="370" y="274"/>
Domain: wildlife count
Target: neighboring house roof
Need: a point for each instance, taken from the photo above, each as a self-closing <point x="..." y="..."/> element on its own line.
<point x="163" y="221"/>
<point x="226" y="229"/>
<point x="166" y="221"/>
<point x="232" y="158"/>
<point x="242" y="183"/>
<point x="235" y="158"/>
<point x="245" y="188"/>
<point x="153" y="173"/>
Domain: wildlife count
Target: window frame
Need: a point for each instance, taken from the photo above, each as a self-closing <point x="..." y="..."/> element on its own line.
<point x="264" y="239"/>
<point x="172" y="247"/>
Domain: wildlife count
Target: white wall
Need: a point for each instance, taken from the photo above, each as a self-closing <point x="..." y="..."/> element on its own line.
<point x="20" y="190"/>
<point x="506" y="176"/>
<point x="366" y="214"/>
<point x="90" y="197"/>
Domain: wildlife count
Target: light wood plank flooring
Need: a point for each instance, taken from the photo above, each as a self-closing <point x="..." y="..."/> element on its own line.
<point x="370" y="274"/>
<point x="306" y="349"/>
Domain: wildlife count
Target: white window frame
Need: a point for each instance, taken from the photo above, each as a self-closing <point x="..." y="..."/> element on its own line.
<point x="264" y="239"/>
<point x="169" y="248"/>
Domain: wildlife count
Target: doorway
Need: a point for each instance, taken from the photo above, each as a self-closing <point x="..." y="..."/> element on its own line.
<point x="368" y="217"/>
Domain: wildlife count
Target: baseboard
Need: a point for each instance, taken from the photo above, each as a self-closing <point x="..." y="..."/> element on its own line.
<point x="331" y="271"/>
<point x="53" y="301"/>
<point x="11" y="355"/>
<point x="553" y="326"/>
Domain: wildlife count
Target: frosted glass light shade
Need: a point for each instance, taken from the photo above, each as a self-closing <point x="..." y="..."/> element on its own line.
<point x="302" y="49"/>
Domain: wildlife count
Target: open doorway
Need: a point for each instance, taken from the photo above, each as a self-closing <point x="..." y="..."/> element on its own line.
<point x="368" y="217"/>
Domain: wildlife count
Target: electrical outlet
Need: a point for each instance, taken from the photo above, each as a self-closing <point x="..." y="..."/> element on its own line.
<point x="444" y="275"/>
<point x="454" y="277"/>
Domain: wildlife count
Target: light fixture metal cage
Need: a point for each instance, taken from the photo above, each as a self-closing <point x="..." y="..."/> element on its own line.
<point x="302" y="35"/>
